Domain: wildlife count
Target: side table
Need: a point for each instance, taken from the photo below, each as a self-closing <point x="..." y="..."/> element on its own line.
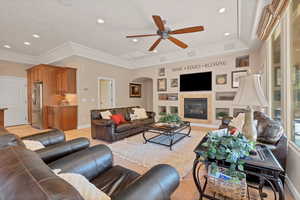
<point x="263" y="165"/>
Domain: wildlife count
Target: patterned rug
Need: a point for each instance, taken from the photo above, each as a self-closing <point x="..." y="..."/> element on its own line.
<point x="147" y="155"/>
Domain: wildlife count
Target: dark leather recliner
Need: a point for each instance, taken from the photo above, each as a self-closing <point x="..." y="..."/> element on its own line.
<point x="106" y="130"/>
<point x="54" y="141"/>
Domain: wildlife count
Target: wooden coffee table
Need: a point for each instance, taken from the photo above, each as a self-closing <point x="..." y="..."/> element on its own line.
<point x="166" y="135"/>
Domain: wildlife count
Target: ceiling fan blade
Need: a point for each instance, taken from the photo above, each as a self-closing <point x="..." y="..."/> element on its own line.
<point x="178" y="42"/>
<point x="187" y="30"/>
<point x="155" y="44"/>
<point x="159" y="23"/>
<point x="135" y="36"/>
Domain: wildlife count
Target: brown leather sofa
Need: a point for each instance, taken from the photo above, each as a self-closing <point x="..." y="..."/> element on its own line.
<point x="35" y="180"/>
<point x="270" y="133"/>
<point x="106" y="130"/>
<point x="54" y="141"/>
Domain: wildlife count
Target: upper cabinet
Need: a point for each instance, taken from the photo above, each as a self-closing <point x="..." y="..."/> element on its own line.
<point x="66" y="81"/>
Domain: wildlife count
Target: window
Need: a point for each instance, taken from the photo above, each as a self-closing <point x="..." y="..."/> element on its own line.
<point x="295" y="70"/>
<point x="276" y="79"/>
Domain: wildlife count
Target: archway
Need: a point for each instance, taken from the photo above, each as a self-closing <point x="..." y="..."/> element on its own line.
<point x="147" y="91"/>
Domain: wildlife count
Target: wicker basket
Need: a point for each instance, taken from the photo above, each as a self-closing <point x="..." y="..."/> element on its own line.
<point x="226" y="189"/>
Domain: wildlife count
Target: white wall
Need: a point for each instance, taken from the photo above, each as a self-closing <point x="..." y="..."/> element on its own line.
<point x="152" y="72"/>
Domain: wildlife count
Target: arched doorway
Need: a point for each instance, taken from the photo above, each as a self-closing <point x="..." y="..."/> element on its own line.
<point x="147" y="91"/>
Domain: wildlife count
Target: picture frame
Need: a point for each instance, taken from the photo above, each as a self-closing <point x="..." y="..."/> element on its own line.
<point x="235" y="75"/>
<point x="162" y="84"/>
<point x="277" y="77"/>
<point x="242" y="61"/>
<point x="174" y="82"/>
<point x="221" y="79"/>
<point x="161" y="72"/>
<point x="135" y="90"/>
<point x="225" y="96"/>
<point x="222" y="112"/>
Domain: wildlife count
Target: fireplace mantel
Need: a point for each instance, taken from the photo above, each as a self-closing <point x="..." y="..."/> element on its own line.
<point x="209" y="115"/>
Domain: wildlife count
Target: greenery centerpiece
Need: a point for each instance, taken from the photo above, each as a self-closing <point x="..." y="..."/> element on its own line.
<point x="170" y="119"/>
<point x="231" y="149"/>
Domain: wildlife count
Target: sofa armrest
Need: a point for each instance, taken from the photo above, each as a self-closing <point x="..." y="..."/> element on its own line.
<point x="56" y="151"/>
<point x="89" y="162"/>
<point x="158" y="183"/>
<point x="151" y="114"/>
<point x="48" y="138"/>
<point x="102" y="122"/>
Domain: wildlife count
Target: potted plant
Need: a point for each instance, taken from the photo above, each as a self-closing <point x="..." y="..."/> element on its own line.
<point x="228" y="150"/>
<point x="171" y="119"/>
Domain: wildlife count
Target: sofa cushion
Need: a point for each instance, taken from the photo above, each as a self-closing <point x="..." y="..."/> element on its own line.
<point x="116" y="119"/>
<point x="125" y="127"/>
<point x="115" y="180"/>
<point x="106" y="114"/>
<point x="33" y="145"/>
<point x="86" y="189"/>
<point x="141" y="113"/>
<point x="141" y="122"/>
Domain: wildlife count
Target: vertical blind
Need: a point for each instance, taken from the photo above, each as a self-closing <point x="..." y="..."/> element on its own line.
<point x="271" y="14"/>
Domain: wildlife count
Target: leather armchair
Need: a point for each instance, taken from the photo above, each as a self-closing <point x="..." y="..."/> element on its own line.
<point x="96" y="164"/>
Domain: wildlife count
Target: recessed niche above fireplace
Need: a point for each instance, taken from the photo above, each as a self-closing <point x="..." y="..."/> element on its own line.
<point x="196" y="108"/>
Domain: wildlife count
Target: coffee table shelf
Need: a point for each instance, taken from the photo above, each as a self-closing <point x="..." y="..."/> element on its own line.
<point x="166" y="135"/>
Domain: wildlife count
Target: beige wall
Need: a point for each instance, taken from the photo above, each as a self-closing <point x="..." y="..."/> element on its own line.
<point x="152" y="72"/>
<point x="293" y="163"/>
<point x="13" y="69"/>
<point x="87" y="90"/>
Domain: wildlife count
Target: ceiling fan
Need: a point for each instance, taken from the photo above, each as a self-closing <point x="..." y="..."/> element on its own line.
<point x="165" y="33"/>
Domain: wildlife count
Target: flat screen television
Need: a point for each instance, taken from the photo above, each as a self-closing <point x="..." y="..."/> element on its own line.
<point x="196" y="82"/>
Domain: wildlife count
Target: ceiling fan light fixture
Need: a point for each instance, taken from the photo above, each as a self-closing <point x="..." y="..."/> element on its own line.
<point x="222" y="10"/>
<point x="135" y="40"/>
<point x="154" y="51"/>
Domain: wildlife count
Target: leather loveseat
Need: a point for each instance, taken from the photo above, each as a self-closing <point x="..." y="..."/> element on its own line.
<point x="34" y="180"/>
<point x="106" y="130"/>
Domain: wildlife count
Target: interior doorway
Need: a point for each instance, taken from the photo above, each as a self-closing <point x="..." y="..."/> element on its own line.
<point x="147" y="92"/>
<point x="106" y="93"/>
<point x="14" y="97"/>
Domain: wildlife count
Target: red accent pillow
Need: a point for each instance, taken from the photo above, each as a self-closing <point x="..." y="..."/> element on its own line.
<point x="121" y="118"/>
<point x="116" y="119"/>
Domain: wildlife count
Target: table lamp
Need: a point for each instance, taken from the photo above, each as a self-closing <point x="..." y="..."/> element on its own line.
<point x="250" y="94"/>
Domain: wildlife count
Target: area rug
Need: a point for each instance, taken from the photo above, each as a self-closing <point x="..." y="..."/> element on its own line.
<point x="148" y="155"/>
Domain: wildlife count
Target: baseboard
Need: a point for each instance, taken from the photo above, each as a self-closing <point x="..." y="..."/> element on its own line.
<point x="292" y="188"/>
<point x="205" y="125"/>
<point x="84" y="126"/>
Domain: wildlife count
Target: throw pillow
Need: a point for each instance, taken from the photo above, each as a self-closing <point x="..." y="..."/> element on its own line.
<point x="133" y="117"/>
<point x="122" y="119"/>
<point x="86" y="189"/>
<point x="141" y="113"/>
<point x="106" y="114"/>
<point x="116" y="119"/>
<point x="33" y="145"/>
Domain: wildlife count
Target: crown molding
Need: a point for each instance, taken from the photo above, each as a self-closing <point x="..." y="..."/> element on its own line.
<point x="17" y="57"/>
<point x="69" y="49"/>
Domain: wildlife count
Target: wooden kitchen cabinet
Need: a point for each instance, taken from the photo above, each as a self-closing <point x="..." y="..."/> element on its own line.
<point x="62" y="117"/>
<point x="66" y="81"/>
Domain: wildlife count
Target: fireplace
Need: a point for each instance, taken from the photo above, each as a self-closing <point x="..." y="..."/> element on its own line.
<point x="196" y="108"/>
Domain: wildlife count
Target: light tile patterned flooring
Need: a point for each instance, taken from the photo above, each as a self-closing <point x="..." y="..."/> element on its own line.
<point x="187" y="189"/>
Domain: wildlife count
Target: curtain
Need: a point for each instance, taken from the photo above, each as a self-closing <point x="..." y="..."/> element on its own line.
<point x="271" y="14"/>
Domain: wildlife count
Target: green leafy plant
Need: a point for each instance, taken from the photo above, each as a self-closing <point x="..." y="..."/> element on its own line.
<point x="170" y="118"/>
<point x="227" y="148"/>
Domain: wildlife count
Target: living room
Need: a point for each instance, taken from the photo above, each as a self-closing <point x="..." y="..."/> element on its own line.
<point x="134" y="108"/>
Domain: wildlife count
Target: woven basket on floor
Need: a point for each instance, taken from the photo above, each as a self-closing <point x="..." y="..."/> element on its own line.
<point x="235" y="191"/>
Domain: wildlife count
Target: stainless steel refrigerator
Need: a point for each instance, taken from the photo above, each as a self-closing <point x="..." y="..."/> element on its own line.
<point x="37" y="105"/>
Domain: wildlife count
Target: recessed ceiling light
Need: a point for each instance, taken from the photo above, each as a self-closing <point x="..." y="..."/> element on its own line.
<point x="36" y="36"/>
<point x="7" y="46"/>
<point x="27" y="43"/>
<point x="135" y="40"/>
<point x="100" y="21"/>
<point x="222" y="10"/>
<point x="226" y="34"/>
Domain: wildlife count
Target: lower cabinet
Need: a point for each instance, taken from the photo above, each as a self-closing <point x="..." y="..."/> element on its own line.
<point x="62" y="117"/>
